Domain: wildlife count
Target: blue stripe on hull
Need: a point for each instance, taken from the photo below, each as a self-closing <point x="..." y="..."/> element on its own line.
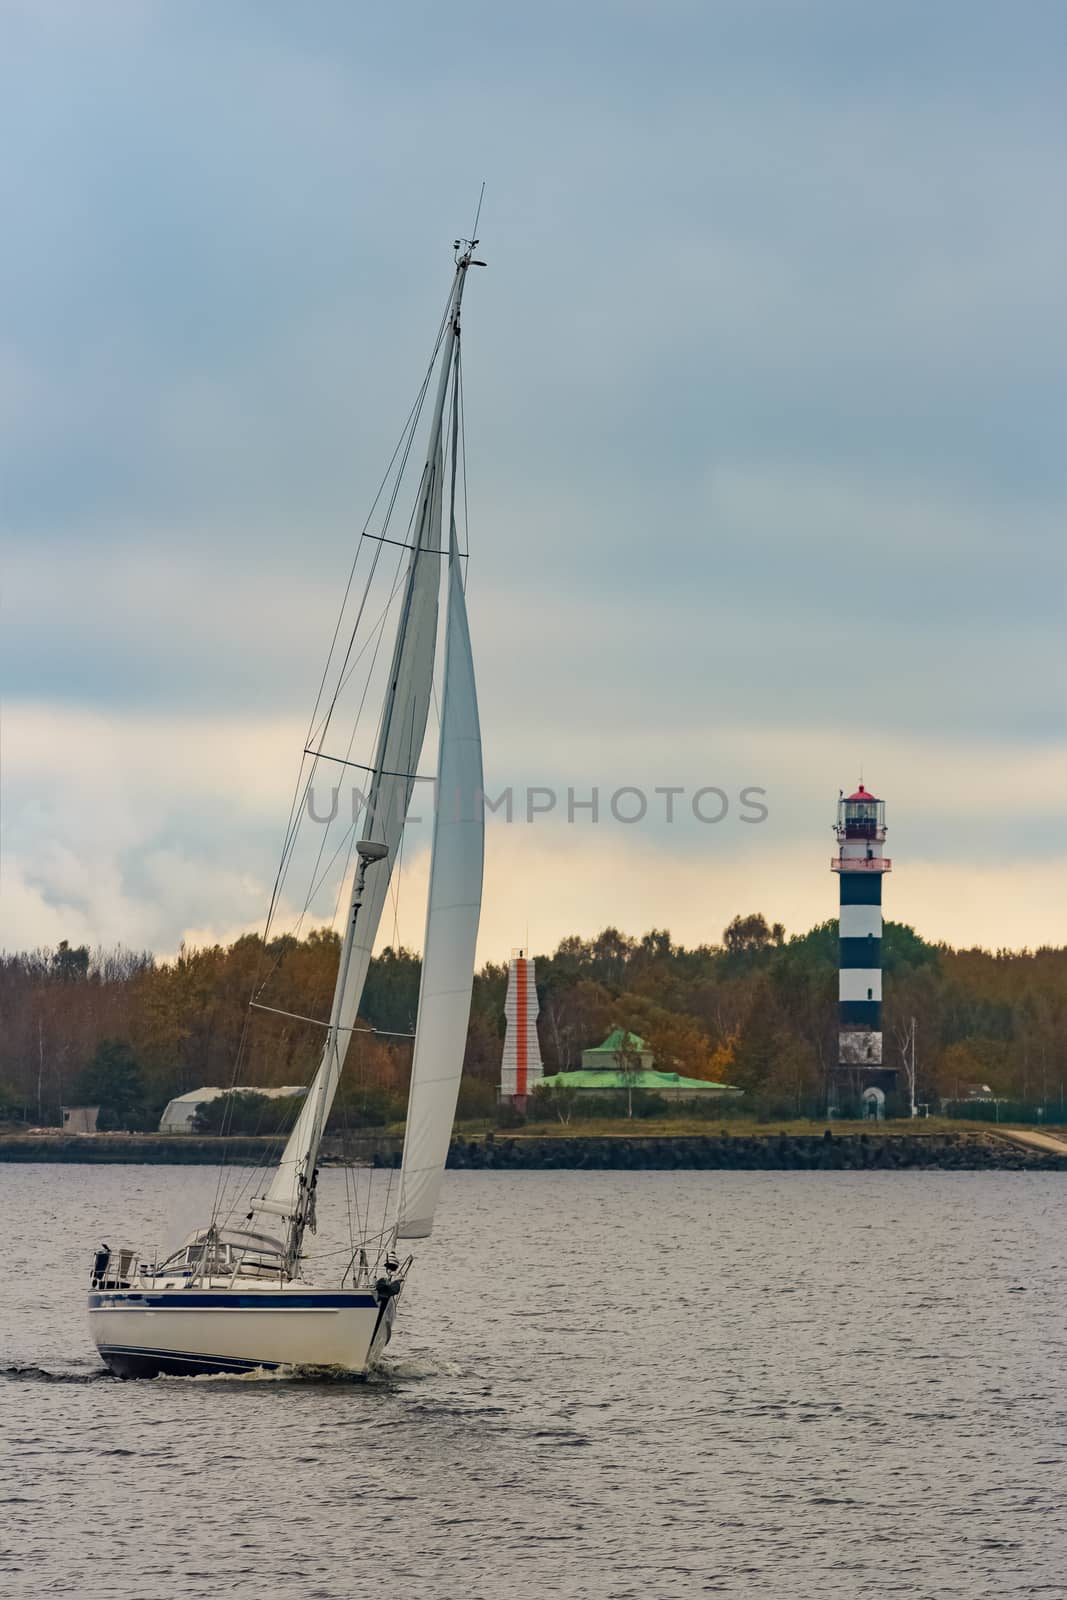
<point x="225" y="1300"/>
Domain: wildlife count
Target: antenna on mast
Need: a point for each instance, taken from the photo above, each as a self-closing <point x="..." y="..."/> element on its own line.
<point x="467" y="259"/>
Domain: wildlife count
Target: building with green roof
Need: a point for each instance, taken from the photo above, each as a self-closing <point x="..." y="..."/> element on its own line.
<point x="625" y="1062"/>
<point x="619" y="1050"/>
<point x="671" y="1085"/>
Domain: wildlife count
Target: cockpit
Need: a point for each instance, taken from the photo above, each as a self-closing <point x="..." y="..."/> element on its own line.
<point x="222" y="1253"/>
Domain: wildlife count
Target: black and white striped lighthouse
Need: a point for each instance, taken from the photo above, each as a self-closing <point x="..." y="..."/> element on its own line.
<point x="861" y="1082"/>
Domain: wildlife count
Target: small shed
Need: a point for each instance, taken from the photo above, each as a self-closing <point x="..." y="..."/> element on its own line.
<point x="79" y="1119"/>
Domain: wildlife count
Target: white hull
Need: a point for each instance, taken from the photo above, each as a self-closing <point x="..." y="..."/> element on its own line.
<point x="141" y="1332"/>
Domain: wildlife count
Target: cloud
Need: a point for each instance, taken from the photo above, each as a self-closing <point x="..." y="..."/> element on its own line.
<point x="145" y="830"/>
<point x="545" y="883"/>
<point x="765" y="397"/>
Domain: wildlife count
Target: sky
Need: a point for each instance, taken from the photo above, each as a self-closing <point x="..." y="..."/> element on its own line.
<point x="765" y="398"/>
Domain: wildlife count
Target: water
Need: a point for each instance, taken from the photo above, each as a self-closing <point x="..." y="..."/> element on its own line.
<point x="603" y="1385"/>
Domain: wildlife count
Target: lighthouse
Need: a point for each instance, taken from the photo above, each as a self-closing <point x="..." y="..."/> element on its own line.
<point x="861" y="1081"/>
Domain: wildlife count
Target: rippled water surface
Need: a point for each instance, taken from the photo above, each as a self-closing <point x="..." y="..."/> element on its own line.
<point x="602" y="1384"/>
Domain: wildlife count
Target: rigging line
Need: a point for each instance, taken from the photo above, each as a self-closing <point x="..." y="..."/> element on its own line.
<point x="349" y="835"/>
<point x="318" y="732"/>
<point x="394" y="889"/>
<point x="295" y="816"/>
<point x="388" y="1227"/>
<point x="346" y="669"/>
<point x="385" y="1214"/>
<point x="312" y="892"/>
<point x="348" y="1207"/>
<point x="342" y="1107"/>
<point x="406" y="440"/>
<point x="348" y="838"/>
<point x="424" y="510"/>
<point x="397" y="582"/>
<point x="318" y="1255"/>
<point x="234" y="1197"/>
<point x="463" y="450"/>
<point x="452" y="536"/>
<point x="477" y="215"/>
<point x="317" y="879"/>
<point x="416" y="777"/>
<point x="376" y="635"/>
<point x="362" y="1215"/>
<point x="298" y="1016"/>
<point x="400" y="578"/>
<point x="302" y="789"/>
<point x="266" y="1158"/>
<point x="418" y="510"/>
<point x="403" y="545"/>
<point x="239" y="1055"/>
<point x="410" y="425"/>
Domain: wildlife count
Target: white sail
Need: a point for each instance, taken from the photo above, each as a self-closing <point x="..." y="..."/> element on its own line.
<point x="452" y="917"/>
<point x="400" y="741"/>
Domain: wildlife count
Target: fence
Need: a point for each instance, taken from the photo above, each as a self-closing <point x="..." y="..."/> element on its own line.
<point x="1053" y="1111"/>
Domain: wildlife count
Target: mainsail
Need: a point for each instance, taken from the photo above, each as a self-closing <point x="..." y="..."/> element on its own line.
<point x="452" y="915"/>
<point x="290" y="1194"/>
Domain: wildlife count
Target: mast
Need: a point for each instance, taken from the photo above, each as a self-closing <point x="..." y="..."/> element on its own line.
<point x="291" y="1193"/>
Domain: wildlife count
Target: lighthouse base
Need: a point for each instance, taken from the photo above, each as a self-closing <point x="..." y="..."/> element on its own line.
<point x="851" y="1084"/>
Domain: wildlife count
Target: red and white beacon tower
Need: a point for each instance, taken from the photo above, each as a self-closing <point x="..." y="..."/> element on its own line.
<point x="520" y="1066"/>
<point x="861" y="1082"/>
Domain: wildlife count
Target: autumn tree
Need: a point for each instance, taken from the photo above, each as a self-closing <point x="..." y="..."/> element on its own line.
<point x="752" y="936"/>
<point x="114" y="1081"/>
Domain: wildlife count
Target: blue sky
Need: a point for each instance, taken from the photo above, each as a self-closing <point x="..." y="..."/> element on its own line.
<point x="765" y="393"/>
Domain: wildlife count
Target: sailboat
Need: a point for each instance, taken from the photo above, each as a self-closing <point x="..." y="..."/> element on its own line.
<point x="234" y="1296"/>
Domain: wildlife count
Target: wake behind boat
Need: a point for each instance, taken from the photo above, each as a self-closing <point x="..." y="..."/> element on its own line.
<point x="234" y="1296"/>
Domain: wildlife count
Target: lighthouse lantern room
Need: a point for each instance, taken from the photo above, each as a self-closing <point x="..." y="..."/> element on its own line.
<point x="861" y="1081"/>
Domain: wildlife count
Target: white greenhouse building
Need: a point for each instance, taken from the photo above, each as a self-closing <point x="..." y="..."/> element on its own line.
<point x="180" y="1114"/>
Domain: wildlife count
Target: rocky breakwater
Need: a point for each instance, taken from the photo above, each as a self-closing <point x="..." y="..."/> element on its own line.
<point x="851" y="1152"/>
<point x="151" y="1149"/>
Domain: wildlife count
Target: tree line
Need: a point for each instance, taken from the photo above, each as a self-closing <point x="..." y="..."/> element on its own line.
<point x="124" y="1030"/>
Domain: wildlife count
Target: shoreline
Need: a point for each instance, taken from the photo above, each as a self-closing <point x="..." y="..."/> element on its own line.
<point x="778" y="1151"/>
